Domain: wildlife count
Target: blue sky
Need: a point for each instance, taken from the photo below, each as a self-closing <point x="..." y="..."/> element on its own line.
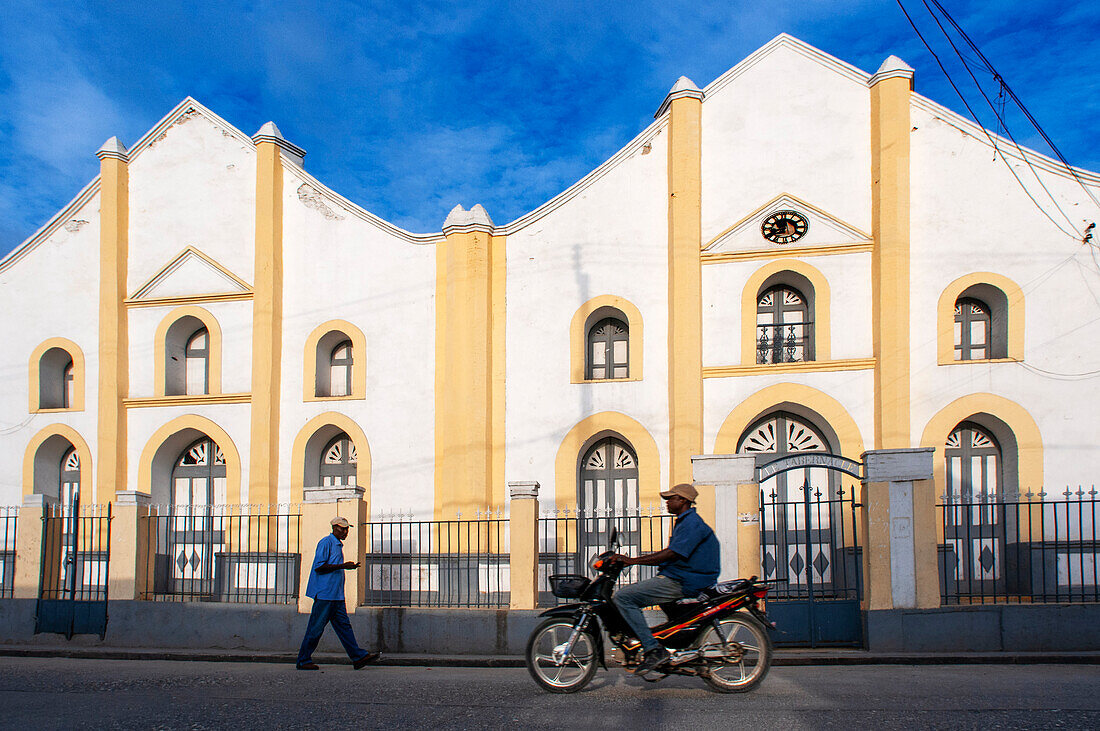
<point x="410" y="108"/>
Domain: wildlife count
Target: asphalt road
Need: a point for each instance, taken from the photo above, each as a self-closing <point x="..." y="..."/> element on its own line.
<point x="59" y="693"/>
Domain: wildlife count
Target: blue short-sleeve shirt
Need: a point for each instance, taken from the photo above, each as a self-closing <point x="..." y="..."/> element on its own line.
<point x="699" y="561"/>
<point x="328" y="586"/>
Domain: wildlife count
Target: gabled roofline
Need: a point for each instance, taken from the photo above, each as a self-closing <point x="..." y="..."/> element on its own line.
<point x="785" y="40"/>
<point x="50" y="227"/>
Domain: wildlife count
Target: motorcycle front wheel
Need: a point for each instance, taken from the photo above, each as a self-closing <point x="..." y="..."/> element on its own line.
<point x="742" y="659"/>
<point x="549" y="663"/>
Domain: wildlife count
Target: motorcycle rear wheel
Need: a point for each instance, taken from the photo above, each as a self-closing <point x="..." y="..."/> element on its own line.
<point x="548" y="665"/>
<point x="744" y="633"/>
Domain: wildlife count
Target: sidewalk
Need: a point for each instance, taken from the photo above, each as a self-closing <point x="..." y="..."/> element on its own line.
<point x="782" y="657"/>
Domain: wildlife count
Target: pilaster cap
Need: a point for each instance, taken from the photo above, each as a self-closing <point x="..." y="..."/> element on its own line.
<point x="684" y="88"/>
<point x="523" y="490"/>
<point x="892" y="68"/>
<point x="133" y="497"/>
<point x="459" y="220"/>
<point x="38" y="500"/>
<point x="723" y="469"/>
<point x="113" y="149"/>
<point x="898" y="465"/>
<point x="270" y="133"/>
<point x="332" y="494"/>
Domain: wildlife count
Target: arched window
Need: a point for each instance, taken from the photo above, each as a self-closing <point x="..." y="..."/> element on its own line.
<point x="69" y="488"/>
<point x="974" y="523"/>
<point x="197" y="355"/>
<point x="193" y="532"/>
<point x="339" y="463"/>
<point x="608" y="351"/>
<point x="784" y="327"/>
<point x="55" y="379"/>
<point x="198" y="478"/>
<point x="972" y="330"/>
<point x="340" y="369"/>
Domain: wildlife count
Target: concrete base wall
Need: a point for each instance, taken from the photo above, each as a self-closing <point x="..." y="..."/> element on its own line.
<point x="201" y="625"/>
<point x="991" y="628"/>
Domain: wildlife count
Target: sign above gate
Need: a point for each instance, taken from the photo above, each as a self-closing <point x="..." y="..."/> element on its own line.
<point x="810" y="459"/>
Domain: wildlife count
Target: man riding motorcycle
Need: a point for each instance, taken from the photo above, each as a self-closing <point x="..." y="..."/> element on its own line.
<point x="690" y="564"/>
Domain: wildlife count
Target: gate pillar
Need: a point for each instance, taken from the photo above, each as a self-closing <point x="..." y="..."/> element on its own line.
<point x="523" y="546"/>
<point x="28" y="545"/>
<point x="319" y="506"/>
<point x="128" y="575"/>
<point x="899" y="525"/>
<point x="736" y="510"/>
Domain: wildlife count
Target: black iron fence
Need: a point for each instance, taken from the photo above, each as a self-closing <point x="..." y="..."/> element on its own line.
<point x="224" y="553"/>
<point x="569" y="539"/>
<point x="809" y="542"/>
<point x="1019" y="548"/>
<point x="438" y="563"/>
<point x="76" y="549"/>
<point x="785" y="343"/>
<point x="9" y="517"/>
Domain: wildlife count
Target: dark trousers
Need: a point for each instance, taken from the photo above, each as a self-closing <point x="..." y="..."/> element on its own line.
<point x="325" y="611"/>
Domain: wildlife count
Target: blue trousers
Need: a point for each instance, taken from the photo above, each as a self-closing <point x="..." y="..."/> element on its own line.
<point x="631" y="599"/>
<point x="325" y="611"/>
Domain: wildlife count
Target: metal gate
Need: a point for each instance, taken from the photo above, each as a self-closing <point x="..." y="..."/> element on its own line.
<point x="810" y="549"/>
<point x="76" y="550"/>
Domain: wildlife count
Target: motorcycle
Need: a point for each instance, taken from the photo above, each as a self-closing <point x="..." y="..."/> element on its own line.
<point x="719" y="636"/>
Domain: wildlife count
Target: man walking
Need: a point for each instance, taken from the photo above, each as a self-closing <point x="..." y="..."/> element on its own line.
<point x="326" y="588"/>
<point x="689" y="565"/>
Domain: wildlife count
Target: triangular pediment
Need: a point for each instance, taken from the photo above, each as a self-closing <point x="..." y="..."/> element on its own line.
<point x="191" y="274"/>
<point x="822" y="229"/>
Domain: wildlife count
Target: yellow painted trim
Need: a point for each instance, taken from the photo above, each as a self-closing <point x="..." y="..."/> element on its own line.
<point x="809" y="366"/>
<point x="196" y="400"/>
<point x="441" y="395"/>
<point x="267" y="326"/>
<point x="685" y="286"/>
<point x="210" y="429"/>
<point x="945" y="317"/>
<point x="567" y="462"/>
<point x="1029" y="441"/>
<point x="34" y="371"/>
<point x="801" y="203"/>
<point x="298" y="453"/>
<point x="499" y="336"/>
<point x="578" y="338"/>
<point x="358" y="361"/>
<point x="113" y="353"/>
<point x="890" y="200"/>
<point x="194" y="299"/>
<point x="829" y="250"/>
<point x="67" y="432"/>
<point x="822" y="314"/>
<point x="137" y="299"/>
<point x="464" y="397"/>
<point x="214" y="348"/>
<point x="772" y="398"/>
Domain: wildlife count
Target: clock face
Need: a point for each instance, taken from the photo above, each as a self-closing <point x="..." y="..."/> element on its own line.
<point x="783" y="227"/>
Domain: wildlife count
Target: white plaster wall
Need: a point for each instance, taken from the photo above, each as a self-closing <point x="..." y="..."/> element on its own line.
<point x="849" y="278"/>
<point x="53" y="291"/>
<point x="853" y="390"/>
<point x="787" y="124"/>
<point x="610" y="239"/>
<point x="235" y="320"/>
<point x="194" y="186"/>
<point x="142" y="423"/>
<point x="970" y="215"/>
<point x="343" y="267"/>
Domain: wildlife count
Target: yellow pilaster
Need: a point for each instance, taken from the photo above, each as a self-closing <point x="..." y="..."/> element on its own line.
<point x="129" y="546"/>
<point x="114" y="227"/>
<point x="523" y="560"/>
<point x="890" y="129"/>
<point x="748" y="530"/>
<point x="926" y="544"/>
<point x="469" y="366"/>
<point x="877" y="574"/>
<point x="28" y="545"/>
<point x="684" y="105"/>
<point x="320" y="506"/>
<point x="267" y="318"/>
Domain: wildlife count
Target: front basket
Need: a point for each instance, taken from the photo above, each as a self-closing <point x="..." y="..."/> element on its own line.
<point x="568" y="586"/>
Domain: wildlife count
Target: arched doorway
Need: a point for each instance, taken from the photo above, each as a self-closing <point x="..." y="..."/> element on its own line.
<point x="974" y="520"/>
<point x="607" y="496"/>
<point x="193" y="531"/>
<point x="808" y="538"/>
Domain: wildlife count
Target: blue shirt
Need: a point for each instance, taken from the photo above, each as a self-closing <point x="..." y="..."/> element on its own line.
<point x="328" y="586"/>
<point x="696" y="547"/>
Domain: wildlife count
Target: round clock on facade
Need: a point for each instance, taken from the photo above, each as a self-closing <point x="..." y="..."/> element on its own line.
<point x="783" y="227"/>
